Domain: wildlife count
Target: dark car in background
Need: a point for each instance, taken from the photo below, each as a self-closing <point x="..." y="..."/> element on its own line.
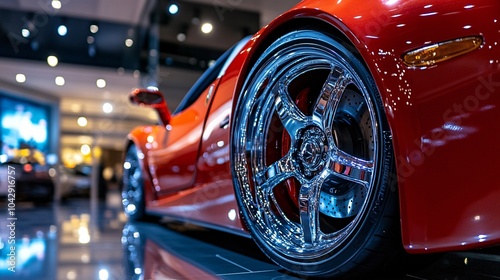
<point x="77" y="181"/>
<point x="33" y="180"/>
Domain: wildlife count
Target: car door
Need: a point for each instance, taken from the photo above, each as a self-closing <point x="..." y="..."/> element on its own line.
<point x="174" y="148"/>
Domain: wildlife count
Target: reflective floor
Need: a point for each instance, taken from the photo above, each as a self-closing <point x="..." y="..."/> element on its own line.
<point x="77" y="239"/>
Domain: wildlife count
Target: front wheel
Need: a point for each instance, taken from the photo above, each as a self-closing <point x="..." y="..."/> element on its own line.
<point x="133" y="186"/>
<point x="312" y="159"/>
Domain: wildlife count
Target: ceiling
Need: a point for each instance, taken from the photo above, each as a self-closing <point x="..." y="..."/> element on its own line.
<point x="123" y="68"/>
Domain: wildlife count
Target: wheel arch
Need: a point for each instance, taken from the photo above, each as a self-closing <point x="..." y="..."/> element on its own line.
<point x="332" y="25"/>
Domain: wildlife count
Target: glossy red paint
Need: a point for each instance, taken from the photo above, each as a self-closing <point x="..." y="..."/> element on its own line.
<point x="441" y="118"/>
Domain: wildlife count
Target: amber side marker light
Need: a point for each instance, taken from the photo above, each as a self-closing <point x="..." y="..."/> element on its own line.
<point x="430" y="55"/>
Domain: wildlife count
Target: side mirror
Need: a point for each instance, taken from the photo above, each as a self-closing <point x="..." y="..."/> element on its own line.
<point x="153" y="99"/>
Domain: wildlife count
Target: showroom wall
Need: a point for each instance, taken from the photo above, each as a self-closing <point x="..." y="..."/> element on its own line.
<point x="41" y="107"/>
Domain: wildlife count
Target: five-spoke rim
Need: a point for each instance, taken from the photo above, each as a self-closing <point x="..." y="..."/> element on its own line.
<point x="305" y="150"/>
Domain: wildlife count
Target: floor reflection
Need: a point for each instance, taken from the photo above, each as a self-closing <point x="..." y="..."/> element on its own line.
<point x="78" y="239"/>
<point x="178" y="251"/>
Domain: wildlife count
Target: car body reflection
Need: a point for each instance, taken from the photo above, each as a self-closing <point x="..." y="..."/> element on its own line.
<point x="153" y="251"/>
<point x="145" y="259"/>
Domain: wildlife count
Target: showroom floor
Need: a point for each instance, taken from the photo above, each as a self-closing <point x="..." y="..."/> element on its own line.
<point x="81" y="240"/>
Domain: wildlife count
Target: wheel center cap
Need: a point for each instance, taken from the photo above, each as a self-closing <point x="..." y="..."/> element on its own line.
<point x="312" y="151"/>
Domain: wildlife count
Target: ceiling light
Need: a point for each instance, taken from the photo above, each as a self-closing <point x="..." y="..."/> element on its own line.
<point x="85" y="149"/>
<point x="103" y="274"/>
<point x="56" y="4"/>
<point x="129" y="42"/>
<point x="107" y="108"/>
<point x="20" y="78"/>
<point x="94" y="28"/>
<point x="60" y="81"/>
<point x="52" y="60"/>
<point x="101" y="83"/>
<point x="25" y="32"/>
<point x="173" y="9"/>
<point x="207" y="28"/>
<point x="82" y="121"/>
<point x="181" y="37"/>
<point x="62" y="30"/>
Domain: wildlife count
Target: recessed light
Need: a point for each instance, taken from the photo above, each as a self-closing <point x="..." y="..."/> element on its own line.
<point x="52" y="60"/>
<point x="207" y="28"/>
<point x="107" y="108"/>
<point x="20" y="78"/>
<point x="82" y="121"/>
<point x="173" y="9"/>
<point x="94" y="28"/>
<point x="129" y="42"/>
<point x="101" y="83"/>
<point x="56" y="4"/>
<point x="25" y="32"/>
<point x="60" y="81"/>
<point x="85" y="149"/>
<point x="62" y="30"/>
<point x="181" y="37"/>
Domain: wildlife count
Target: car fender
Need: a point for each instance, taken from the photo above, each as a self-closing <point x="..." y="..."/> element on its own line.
<point x="418" y="104"/>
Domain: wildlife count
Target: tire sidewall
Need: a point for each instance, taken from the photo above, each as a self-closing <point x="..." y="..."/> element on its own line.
<point x="140" y="204"/>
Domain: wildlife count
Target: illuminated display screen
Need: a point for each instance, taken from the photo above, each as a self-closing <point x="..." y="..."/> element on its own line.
<point x="24" y="125"/>
<point x="29" y="258"/>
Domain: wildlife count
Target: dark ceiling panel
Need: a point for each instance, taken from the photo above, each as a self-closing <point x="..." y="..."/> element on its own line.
<point x="107" y="48"/>
<point x="79" y="46"/>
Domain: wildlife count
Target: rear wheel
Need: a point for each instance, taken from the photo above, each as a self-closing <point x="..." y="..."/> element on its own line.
<point x="133" y="186"/>
<point x="312" y="159"/>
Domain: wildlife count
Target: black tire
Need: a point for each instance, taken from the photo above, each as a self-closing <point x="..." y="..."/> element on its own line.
<point x="133" y="186"/>
<point x="312" y="159"/>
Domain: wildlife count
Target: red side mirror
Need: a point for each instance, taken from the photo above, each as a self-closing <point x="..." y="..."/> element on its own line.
<point x="153" y="99"/>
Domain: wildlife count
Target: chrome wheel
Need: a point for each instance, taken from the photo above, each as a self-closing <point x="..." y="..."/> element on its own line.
<point x="307" y="145"/>
<point x="132" y="192"/>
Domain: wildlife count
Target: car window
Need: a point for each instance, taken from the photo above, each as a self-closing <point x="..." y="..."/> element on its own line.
<point x="209" y="76"/>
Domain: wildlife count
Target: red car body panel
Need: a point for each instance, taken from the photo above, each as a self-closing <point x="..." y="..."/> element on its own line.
<point x="441" y="118"/>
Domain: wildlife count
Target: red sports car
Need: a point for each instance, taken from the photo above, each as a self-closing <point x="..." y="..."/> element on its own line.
<point x="339" y="134"/>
